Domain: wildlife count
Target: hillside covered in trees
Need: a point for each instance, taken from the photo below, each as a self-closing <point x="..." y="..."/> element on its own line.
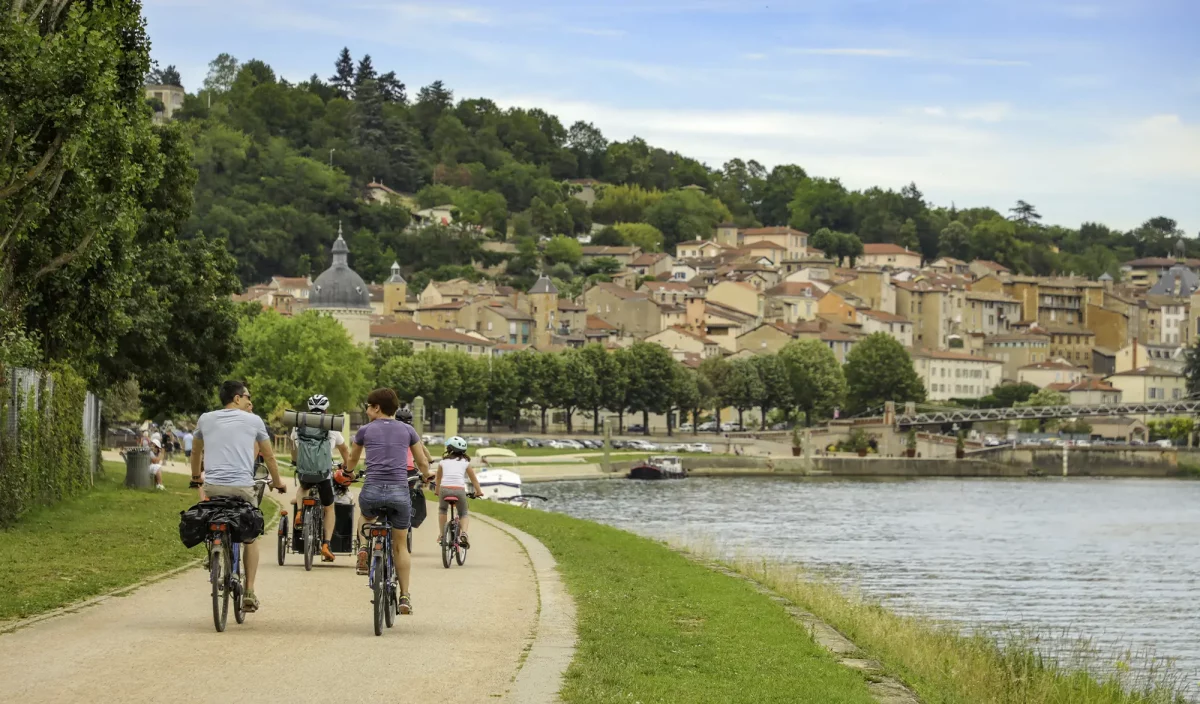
<point x="281" y="164"/>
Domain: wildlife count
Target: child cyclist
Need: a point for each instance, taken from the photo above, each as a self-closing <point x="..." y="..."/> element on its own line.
<point x="452" y="474"/>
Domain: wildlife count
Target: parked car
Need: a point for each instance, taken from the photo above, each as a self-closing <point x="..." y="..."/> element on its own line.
<point x="619" y="444"/>
<point x="636" y="428"/>
<point x="476" y="441"/>
<point x="732" y="428"/>
<point x="1083" y="443"/>
<point x="685" y="427"/>
<point x="644" y="445"/>
<point x="781" y="426"/>
<point x="591" y="444"/>
<point x="435" y="440"/>
<point x="675" y="447"/>
<point x="699" y="447"/>
<point x="1164" y="443"/>
<point x="1137" y="441"/>
<point x="531" y="442"/>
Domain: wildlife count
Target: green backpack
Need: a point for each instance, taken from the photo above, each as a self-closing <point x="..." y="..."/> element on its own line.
<point x="314" y="459"/>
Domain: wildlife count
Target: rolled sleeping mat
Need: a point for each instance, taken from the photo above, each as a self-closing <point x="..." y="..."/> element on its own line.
<point x="324" y="421"/>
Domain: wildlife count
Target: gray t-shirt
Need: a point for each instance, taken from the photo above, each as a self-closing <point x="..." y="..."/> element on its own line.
<point x="229" y="437"/>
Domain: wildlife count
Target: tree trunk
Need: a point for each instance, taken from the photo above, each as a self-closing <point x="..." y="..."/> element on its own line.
<point x="645" y="422"/>
<point x="596" y="420"/>
<point x="670" y="416"/>
<point x="717" y="420"/>
<point x="763" y="425"/>
<point x="569" y="414"/>
<point x="695" y="421"/>
<point x="740" y="425"/>
<point x="543" y="420"/>
<point x="489" y="419"/>
<point x="620" y="422"/>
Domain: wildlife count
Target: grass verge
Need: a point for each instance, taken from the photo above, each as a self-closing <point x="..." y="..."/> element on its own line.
<point x="108" y="538"/>
<point x="655" y="627"/>
<point x="944" y="666"/>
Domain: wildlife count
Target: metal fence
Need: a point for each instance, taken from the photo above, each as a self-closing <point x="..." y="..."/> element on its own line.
<point x="25" y="388"/>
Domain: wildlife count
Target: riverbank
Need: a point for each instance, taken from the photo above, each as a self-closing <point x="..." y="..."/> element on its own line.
<point x="105" y="539"/>
<point x="654" y="626"/>
<point x="941" y="664"/>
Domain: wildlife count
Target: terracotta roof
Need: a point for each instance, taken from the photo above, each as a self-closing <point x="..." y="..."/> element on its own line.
<point x="887" y="248"/>
<point x="1052" y="365"/>
<point x="594" y="323"/>
<point x="380" y="186"/>
<point x="510" y="347"/>
<point x="1017" y="337"/>
<point x="772" y="231"/>
<point x="691" y="360"/>
<point x="569" y="305"/>
<point x="1055" y="330"/>
<point x="667" y="286"/>
<point x="795" y="288"/>
<point x="507" y="312"/>
<point x="1146" y="371"/>
<point x="648" y="259"/>
<point x="1088" y="384"/>
<point x="994" y="266"/>
<point x="1162" y="262"/>
<point x="919" y="286"/>
<point x="884" y="316"/>
<point x="838" y="336"/>
<point x="951" y="260"/>
<point x="453" y="305"/>
<point x="620" y="291"/>
<point x="991" y="296"/>
<point x="292" y="281"/>
<point x="411" y="331"/>
<point x="763" y="244"/>
<point x="949" y="355"/>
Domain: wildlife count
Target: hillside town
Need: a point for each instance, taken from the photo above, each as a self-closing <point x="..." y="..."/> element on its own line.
<point x="969" y="326"/>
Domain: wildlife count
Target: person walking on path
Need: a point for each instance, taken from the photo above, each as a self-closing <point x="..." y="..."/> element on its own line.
<point x="387" y="442"/>
<point x="223" y="449"/>
<point x="187" y="444"/>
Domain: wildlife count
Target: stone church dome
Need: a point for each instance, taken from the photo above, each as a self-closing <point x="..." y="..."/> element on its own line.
<point x="339" y="286"/>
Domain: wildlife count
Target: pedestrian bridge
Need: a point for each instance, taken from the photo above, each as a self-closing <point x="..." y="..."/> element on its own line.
<point x="1187" y="406"/>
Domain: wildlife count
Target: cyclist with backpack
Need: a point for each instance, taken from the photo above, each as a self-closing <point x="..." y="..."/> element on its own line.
<point x="312" y="455"/>
<point x="453" y="472"/>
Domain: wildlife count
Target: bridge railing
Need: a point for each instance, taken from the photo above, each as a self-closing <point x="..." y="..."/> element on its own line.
<point x="1187" y="406"/>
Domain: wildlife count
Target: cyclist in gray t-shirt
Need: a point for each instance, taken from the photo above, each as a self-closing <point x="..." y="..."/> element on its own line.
<point x="224" y="446"/>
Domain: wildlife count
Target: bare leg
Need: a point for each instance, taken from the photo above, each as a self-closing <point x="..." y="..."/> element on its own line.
<point x="462" y="524"/>
<point x="329" y="519"/>
<point x="250" y="555"/>
<point x="402" y="558"/>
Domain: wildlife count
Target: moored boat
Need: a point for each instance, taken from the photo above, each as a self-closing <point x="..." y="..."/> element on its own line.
<point x="661" y="467"/>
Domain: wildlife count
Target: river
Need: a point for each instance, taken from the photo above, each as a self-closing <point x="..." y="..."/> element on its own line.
<point x="1114" y="560"/>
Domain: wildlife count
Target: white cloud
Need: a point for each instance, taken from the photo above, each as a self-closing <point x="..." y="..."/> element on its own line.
<point x="896" y="53"/>
<point x="877" y="53"/>
<point x="756" y="56"/>
<point x="987" y="112"/>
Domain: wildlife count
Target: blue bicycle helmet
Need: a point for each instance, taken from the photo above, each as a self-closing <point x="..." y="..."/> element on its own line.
<point x="457" y="443"/>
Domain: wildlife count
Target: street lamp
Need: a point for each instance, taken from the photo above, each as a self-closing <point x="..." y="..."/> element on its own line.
<point x="331" y="151"/>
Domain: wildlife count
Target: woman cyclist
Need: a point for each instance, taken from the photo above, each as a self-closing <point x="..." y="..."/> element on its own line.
<point x="387" y="442"/>
<point x="453" y="472"/>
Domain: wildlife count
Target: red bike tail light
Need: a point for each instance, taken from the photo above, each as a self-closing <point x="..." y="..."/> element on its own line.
<point x="219" y="527"/>
<point x="310" y="502"/>
<point x="379" y="532"/>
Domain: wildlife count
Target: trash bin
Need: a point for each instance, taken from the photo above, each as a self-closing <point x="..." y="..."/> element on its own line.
<point x="137" y="468"/>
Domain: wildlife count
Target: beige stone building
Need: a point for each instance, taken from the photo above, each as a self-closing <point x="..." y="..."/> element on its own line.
<point x="668" y="292"/>
<point x="792" y="244"/>
<point x="936" y="312"/>
<point x="424" y="338"/>
<point x="171" y="98"/>
<point x="872" y="286"/>
<point x="1149" y="384"/>
<point x="632" y="312"/>
<point x="948" y="374"/>
<point x="341" y="293"/>
<point x="792" y="301"/>
<point x="1017" y="350"/>
<point x="652" y="263"/>
<point x="1043" y="374"/>
<point x="624" y="255"/>
<point x="990" y="313"/>
<point x="1088" y="392"/>
<point x="897" y="326"/>
<point x="682" y="340"/>
<point x="889" y="255"/>
<point x="1072" y="344"/>
<point x="738" y="295"/>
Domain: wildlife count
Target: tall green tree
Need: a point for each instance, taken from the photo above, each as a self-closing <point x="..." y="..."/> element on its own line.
<point x="743" y="388"/>
<point x="582" y="388"/>
<point x="818" y="383"/>
<point x="342" y="79"/>
<point x="286" y="360"/>
<point x="684" y="394"/>
<point x="610" y="381"/>
<point x="651" y="371"/>
<point x="879" y="369"/>
<point x="776" y="386"/>
<point x="715" y="371"/>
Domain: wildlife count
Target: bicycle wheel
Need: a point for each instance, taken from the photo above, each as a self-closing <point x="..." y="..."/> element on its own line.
<point x="310" y="540"/>
<point x="460" y="553"/>
<point x="391" y="604"/>
<point x="220" y="595"/>
<point x="283" y="539"/>
<point x="380" y="590"/>
<point x="448" y="539"/>
<point x="239" y="588"/>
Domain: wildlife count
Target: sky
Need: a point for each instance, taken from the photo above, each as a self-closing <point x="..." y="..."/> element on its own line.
<point x="1090" y="110"/>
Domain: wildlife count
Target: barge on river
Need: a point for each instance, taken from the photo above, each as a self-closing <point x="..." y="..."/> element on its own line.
<point x="661" y="467"/>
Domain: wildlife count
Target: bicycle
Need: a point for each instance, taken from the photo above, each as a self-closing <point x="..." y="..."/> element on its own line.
<point x="226" y="569"/>
<point x="452" y="551"/>
<point x="382" y="578"/>
<point x="311" y="532"/>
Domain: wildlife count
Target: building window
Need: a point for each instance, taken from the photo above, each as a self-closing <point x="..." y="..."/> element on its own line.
<point x="1175" y="393"/>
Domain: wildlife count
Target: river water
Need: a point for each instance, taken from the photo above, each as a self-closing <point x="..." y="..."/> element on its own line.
<point x="1113" y="560"/>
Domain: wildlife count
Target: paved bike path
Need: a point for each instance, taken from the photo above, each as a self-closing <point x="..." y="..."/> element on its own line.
<point x="312" y="639"/>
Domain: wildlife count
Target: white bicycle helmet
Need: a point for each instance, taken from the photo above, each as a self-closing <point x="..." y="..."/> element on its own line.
<point x="457" y="443"/>
<point x="318" y="402"/>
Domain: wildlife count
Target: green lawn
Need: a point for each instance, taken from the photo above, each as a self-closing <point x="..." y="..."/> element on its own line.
<point x="656" y="627"/>
<point x="108" y="538"/>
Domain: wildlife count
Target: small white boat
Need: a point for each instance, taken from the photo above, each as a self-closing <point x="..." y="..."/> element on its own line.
<point x="498" y="484"/>
<point x="661" y="467"/>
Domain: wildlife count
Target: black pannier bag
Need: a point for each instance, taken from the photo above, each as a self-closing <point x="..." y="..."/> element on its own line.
<point x="244" y="518"/>
<point x="419" y="510"/>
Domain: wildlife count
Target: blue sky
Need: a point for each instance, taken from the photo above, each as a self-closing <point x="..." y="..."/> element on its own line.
<point x="1090" y="110"/>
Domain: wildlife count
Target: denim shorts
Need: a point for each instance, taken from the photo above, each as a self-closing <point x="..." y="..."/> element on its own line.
<point x="393" y="497"/>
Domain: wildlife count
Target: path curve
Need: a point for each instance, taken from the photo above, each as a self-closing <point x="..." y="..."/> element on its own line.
<point x="311" y="640"/>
